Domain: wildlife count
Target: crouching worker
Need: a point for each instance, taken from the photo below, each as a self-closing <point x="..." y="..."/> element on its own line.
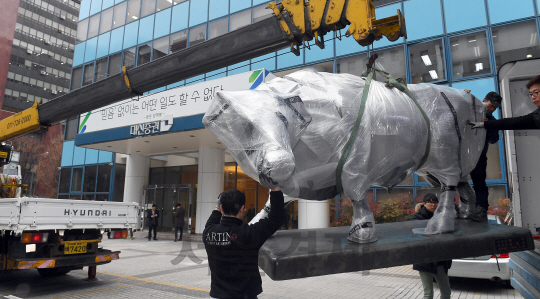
<point x="434" y="270"/>
<point x="233" y="246"/>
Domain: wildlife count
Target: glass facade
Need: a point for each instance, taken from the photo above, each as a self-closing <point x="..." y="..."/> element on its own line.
<point x="446" y="45"/>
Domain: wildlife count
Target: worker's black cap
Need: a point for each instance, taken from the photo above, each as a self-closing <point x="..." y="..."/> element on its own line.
<point x="494" y="98"/>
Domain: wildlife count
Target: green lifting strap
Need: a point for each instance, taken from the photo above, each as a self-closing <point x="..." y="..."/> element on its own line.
<point x="391" y="83"/>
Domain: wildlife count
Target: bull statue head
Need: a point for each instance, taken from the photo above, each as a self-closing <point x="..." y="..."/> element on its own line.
<point x="241" y="124"/>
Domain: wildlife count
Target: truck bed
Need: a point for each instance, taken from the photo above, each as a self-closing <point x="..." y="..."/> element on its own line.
<point x="27" y="214"/>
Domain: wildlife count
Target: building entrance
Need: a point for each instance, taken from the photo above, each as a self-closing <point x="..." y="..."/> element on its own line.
<point x="165" y="197"/>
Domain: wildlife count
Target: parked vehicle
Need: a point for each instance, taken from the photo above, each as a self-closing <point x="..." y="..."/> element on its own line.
<point x="493" y="267"/>
<point x="56" y="236"/>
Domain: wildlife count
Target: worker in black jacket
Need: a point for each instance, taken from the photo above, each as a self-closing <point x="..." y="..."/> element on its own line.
<point x="434" y="270"/>
<point x="526" y="122"/>
<point x="233" y="246"/>
<point x="479" y="174"/>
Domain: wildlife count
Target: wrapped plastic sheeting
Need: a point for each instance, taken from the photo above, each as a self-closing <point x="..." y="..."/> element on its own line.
<point x="292" y="132"/>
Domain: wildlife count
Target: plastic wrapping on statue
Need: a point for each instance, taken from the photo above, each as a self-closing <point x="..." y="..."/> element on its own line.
<point x="292" y="132"/>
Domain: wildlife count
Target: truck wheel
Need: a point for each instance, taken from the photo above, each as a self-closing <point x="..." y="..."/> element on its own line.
<point x="53" y="271"/>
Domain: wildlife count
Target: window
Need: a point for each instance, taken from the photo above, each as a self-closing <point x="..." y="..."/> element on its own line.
<point x="148" y="7"/>
<point x="240" y="20"/>
<point x="76" y="80"/>
<point x="115" y="64"/>
<point x="469" y="55"/>
<point x="88" y="74"/>
<point x="101" y="69"/>
<point x="260" y="13"/>
<point x="163" y="4"/>
<point x="161" y="48"/>
<point x="217" y="28"/>
<point x="144" y="54"/>
<point x="104" y="178"/>
<point x="119" y="15"/>
<point x="427" y="62"/>
<point x="90" y="178"/>
<point x="82" y="29"/>
<point x="515" y="42"/>
<point x="423" y="18"/>
<point x="197" y="35"/>
<point x="76" y="180"/>
<point x="178" y="41"/>
<point x="119" y="182"/>
<point x="129" y="58"/>
<point x="392" y="61"/>
<point x="106" y="20"/>
<point x="93" y="26"/>
<point x="134" y="7"/>
<point x="65" y="176"/>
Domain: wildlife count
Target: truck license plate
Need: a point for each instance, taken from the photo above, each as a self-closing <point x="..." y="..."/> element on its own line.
<point x="75" y="247"/>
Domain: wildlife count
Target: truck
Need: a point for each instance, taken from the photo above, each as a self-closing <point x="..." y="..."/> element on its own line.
<point x="523" y="172"/>
<point x="56" y="236"/>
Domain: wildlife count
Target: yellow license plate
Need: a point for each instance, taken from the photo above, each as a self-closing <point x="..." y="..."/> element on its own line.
<point x="75" y="247"/>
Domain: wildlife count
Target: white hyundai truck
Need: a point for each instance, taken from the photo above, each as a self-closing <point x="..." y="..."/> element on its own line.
<point x="56" y="236"/>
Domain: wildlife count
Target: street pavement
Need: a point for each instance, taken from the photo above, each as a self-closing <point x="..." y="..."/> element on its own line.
<point x="167" y="269"/>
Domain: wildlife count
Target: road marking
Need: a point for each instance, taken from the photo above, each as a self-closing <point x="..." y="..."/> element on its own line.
<point x="155" y="281"/>
<point x="97" y="291"/>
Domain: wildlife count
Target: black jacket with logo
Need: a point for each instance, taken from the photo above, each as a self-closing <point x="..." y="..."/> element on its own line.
<point x="233" y="250"/>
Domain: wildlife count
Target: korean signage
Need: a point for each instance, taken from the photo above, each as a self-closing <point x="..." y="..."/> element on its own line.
<point x="155" y="113"/>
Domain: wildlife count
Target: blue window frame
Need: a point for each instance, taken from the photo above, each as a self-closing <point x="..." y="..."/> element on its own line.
<point x="162" y="25"/>
<point x="96" y="6"/>
<point x="146" y="29"/>
<point x="117" y="40"/>
<point x="84" y="10"/>
<point x="198" y="12"/>
<point x="458" y="18"/>
<point x="91" y="47"/>
<point x="103" y="45"/>
<point x="180" y="17"/>
<point x="218" y="9"/>
<point x="503" y="11"/>
<point x="238" y="5"/>
<point x="78" y="55"/>
<point x="130" y="34"/>
<point x="423" y="18"/>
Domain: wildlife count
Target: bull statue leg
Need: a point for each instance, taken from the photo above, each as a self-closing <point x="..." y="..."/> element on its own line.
<point x="444" y="216"/>
<point x="467" y="200"/>
<point x="363" y="222"/>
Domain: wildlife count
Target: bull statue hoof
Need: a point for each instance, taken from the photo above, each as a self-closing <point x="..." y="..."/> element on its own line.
<point x="363" y="230"/>
<point x="439" y="224"/>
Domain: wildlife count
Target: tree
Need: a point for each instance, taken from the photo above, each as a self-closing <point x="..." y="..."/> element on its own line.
<point x="40" y="155"/>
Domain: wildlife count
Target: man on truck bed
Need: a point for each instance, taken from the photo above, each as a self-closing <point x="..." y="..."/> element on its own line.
<point x="233" y="246"/>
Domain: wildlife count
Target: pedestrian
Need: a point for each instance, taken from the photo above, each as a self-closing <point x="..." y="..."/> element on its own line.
<point x="179" y="215"/>
<point x="233" y="246"/>
<point x="479" y="174"/>
<point x="152" y="217"/>
<point x="434" y="270"/>
<point x="525" y="122"/>
<point x="250" y="213"/>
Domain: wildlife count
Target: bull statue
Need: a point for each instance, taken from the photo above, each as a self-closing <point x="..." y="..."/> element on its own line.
<point x="293" y="132"/>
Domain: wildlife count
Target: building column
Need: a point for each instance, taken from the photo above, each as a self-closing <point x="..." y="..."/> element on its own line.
<point x="137" y="171"/>
<point x="313" y="214"/>
<point x="209" y="183"/>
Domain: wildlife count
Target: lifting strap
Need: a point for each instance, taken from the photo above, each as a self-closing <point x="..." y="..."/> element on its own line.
<point x="391" y="83"/>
